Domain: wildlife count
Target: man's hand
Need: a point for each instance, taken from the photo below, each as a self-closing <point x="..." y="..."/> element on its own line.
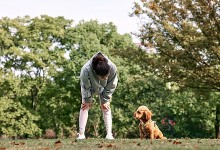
<point x="105" y="105"/>
<point x="85" y="105"/>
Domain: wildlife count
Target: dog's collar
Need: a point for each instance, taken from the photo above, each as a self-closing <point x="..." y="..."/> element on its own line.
<point x="148" y="122"/>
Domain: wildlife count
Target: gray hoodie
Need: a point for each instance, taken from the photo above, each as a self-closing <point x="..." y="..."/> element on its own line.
<point x="91" y="84"/>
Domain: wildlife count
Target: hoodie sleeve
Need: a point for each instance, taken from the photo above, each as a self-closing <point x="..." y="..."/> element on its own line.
<point x="85" y="85"/>
<point x="110" y="87"/>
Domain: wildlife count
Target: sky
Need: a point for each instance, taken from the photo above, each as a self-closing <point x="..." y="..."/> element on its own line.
<point x="104" y="11"/>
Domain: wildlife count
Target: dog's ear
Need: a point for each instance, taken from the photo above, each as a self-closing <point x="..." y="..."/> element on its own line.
<point x="148" y="114"/>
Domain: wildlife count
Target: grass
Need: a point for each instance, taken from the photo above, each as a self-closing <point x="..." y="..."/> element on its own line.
<point x="117" y="144"/>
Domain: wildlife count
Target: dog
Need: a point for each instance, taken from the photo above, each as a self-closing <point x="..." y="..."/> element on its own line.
<point x="148" y="128"/>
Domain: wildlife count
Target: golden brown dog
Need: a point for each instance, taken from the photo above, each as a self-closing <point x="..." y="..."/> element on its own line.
<point x="147" y="127"/>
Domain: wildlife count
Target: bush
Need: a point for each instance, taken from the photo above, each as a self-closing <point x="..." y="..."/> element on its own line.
<point x="17" y="121"/>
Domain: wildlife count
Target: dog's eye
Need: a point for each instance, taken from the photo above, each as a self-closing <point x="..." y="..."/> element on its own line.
<point x="138" y="112"/>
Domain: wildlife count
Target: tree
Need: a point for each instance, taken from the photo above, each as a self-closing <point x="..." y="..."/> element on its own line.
<point x="15" y="119"/>
<point x="32" y="53"/>
<point x="185" y="35"/>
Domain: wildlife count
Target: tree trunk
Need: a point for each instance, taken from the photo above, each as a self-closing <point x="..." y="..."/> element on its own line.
<point x="217" y="124"/>
<point x="34" y="92"/>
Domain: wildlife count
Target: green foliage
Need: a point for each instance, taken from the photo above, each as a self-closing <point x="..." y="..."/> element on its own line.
<point x="40" y="62"/>
<point x="192" y="108"/>
<point x="16" y="120"/>
<point x="185" y="35"/>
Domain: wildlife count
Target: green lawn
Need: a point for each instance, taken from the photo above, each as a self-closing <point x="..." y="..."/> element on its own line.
<point x="117" y="144"/>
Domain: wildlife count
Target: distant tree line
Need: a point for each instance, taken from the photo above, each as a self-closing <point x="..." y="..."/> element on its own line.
<point x="40" y="62"/>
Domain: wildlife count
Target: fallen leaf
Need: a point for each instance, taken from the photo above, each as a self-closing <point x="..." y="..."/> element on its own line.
<point x="110" y="145"/>
<point x="58" y="144"/>
<point x="22" y="143"/>
<point x="14" y="143"/>
<point x="176" y="142"/>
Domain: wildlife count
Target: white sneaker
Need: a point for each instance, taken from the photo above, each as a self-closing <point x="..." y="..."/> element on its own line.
<point x="80" y="136"/>
<point x="109" y="137"/>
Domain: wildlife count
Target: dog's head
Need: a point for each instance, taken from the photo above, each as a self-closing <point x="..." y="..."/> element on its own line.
<point x="143" y="113"/>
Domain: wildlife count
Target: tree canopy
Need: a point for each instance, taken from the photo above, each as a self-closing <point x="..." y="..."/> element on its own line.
<point x="185" y="35"/>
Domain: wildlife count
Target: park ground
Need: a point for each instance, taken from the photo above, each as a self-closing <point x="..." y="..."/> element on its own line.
<point x="117" y="144"/>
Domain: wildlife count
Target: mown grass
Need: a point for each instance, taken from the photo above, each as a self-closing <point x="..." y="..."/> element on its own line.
<point x="117" y="144"/>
